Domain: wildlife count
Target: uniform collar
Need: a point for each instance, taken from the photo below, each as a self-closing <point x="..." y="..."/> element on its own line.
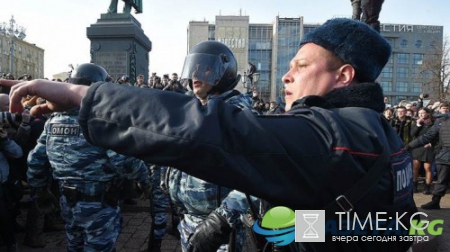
<point x="364" y="95"/>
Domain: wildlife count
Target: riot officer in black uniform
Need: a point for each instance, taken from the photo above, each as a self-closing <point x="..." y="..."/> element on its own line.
<point x="440" y="131"/>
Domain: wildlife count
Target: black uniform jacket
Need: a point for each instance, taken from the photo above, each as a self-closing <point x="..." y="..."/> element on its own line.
<point x="439" y="131"/>
<point x="302" y="159"/>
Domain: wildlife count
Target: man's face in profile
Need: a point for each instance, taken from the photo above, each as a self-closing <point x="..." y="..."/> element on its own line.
<point x="310" y="74"/>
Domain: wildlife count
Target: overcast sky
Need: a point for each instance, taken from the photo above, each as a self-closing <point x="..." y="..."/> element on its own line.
<point x="59" y="26"/>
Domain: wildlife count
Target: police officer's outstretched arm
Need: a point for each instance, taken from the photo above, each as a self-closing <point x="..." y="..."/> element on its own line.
<point x="60" y="96"/>
<point x="158" y="131"/>
<point x="174" y="138"/>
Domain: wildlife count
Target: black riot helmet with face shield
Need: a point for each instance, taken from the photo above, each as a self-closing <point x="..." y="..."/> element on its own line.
<point x="88" y="73"/>
<point x="213" y="63"/>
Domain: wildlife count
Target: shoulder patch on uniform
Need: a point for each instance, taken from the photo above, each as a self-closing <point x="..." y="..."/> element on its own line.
<point x="64" y="130"/>
<point x="403" y="181"/>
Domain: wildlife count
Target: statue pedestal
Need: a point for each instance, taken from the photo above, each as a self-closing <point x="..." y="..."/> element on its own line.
<point x="119" y="45"/>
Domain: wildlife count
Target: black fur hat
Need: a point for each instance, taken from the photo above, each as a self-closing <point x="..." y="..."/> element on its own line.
<point x="356" y="43"/>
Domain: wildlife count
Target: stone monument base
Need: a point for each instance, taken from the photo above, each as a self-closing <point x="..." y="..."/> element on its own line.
<point x="119" y="45"/>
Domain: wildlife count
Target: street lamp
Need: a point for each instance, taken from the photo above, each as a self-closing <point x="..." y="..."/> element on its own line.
<point x="13" y="31"/>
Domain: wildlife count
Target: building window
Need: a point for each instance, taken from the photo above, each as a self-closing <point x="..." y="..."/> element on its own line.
<point x="386" y="86"/>
<point x="401" y="86"/>
<point x="211" y="32"/>
<point x="387" y="72"/>
<point x="416" y="87"/>
<point x="403" y="58"/>
<point x="417" y="59"/>
<point x="433" y="44"/>
<point x="418" y="43"/>
<point x="402" y="72"/>
<point x="263" y="45"/>
<point x="260" y="52"/>
<point x="404" y="43"/>
<point x="288" y="40"/>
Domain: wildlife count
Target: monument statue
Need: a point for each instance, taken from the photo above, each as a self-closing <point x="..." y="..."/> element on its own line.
<point x="136" y="4"/>
<point x="124" y="49"/>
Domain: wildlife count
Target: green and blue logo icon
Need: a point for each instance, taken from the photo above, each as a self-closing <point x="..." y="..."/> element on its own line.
<point x="277" y="226"/>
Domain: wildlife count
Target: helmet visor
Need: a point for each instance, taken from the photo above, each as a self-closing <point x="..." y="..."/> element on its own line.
<point x="206" y="68"/>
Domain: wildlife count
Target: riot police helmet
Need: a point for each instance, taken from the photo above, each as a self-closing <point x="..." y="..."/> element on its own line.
<point x="213" y="63"/>
<point x="88" y="73"/>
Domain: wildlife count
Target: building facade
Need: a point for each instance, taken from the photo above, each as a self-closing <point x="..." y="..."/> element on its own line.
<point x="270" y="47"/>
<point x="20" y="57"/>
<point x="408" y="72"/>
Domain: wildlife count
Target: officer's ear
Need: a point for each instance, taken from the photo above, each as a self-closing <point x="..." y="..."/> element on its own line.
<point x="345" y="75"/>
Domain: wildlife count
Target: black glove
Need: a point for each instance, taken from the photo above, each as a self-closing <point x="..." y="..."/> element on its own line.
<point x="210" y="234"/>
<point x="45" y="201"/>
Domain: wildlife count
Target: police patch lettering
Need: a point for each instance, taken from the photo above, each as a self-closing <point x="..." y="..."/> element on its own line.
<point x="64" y="130"/>
<point x="403" y="180"/>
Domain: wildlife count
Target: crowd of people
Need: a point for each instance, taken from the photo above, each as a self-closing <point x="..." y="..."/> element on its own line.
<point x="154" y="81"/>
<point x="19" y="133"/>
<point x="412" y="121"/>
